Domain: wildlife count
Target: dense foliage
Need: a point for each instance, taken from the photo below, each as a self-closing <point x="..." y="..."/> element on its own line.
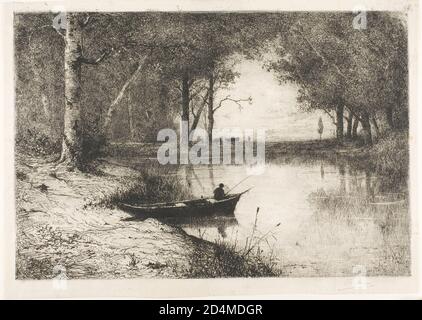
<point x="160" y="67"/>
<point x="340" y="67"/>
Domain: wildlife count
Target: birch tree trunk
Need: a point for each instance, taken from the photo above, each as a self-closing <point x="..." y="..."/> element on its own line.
<point x="72" y="133"/>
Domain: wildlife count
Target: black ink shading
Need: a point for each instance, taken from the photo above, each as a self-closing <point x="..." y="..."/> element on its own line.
<point x="93" y="90"/>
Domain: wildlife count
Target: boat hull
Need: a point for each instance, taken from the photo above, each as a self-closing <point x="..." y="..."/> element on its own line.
<point x="199" y="207"/>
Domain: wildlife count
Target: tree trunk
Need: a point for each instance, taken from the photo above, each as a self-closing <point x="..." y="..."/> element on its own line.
<point x="164" y="95"/>
<point x="46" y="109"/>
<point x="375" y="124"/>
<point x="185" y="98"/>
<point x="131" y="122"/>
<point x="43" y="89"/>
<point x="349" y="126"/>
<point x="44" y="101"/>
<point x="197" y="117"/>
<point x="355" y="127"/>
<point x="112" y="108"/>
<point x="210" y="108"/>
<point x="339" y="119"/>
<point x="389" y="116"/>
<point x="72" y="133"/>
<point x="366" y="126"/>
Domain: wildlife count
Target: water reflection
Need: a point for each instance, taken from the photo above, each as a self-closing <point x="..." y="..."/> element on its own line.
<point x="199" y="226"/>
<point x="317" y="217"/>
<point x="322" y="171"/>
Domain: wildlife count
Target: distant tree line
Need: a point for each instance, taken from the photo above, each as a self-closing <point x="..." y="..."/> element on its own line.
<point x="358" y="76"/>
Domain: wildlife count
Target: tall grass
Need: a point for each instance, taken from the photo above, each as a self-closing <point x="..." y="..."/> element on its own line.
<point x="230" y="260"/>
<point x="382" y="218"/>
<point x="153" y="184"/>
<point x="233" y="259"/>
<point x="390" y="155"/>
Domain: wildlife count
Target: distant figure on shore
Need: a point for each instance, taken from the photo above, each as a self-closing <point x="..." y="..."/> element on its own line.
<point x="219" y="192"/>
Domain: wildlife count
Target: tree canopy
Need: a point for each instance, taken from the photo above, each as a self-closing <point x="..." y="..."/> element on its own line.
<point x="143" y="71"/>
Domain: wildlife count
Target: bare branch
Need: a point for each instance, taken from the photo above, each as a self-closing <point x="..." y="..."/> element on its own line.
<point x="196" y="92"/>
<point x="354" y="113"/>
<point x="333" y="119"/>
<point x="236" y="101"/>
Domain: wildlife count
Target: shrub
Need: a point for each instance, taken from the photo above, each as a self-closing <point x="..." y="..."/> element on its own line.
<point x="229" y="260"/>
<point x="390" y="156"/>
<point x="154" y="184"/>
<point x="38" y="142"/>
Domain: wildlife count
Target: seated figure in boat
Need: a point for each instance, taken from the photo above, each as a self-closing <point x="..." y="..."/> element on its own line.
<point x="219" y="192"/>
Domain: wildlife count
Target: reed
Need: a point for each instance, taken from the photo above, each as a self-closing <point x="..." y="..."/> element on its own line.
<point x="152" y="184"/>
<point x="233" y="259"/>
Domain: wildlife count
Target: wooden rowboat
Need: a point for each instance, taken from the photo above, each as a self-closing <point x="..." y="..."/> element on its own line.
<point x="197" y="207"/>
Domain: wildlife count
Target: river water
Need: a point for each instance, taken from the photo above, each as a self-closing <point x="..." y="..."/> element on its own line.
<point x="315" y="218"/>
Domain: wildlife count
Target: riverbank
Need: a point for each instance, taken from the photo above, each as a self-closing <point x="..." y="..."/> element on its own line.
<point x="388" y="155"/>
<point x="60" y="230"/>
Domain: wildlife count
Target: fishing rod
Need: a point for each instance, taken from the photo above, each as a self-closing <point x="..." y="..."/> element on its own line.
<point x="237" y="184"/>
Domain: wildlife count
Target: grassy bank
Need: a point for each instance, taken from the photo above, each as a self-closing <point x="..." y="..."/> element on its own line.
<point x="388" y="156"/>
<point x="230" y="260"/>
<point x="67" y="221"/>
<point x="151" y="184"/>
